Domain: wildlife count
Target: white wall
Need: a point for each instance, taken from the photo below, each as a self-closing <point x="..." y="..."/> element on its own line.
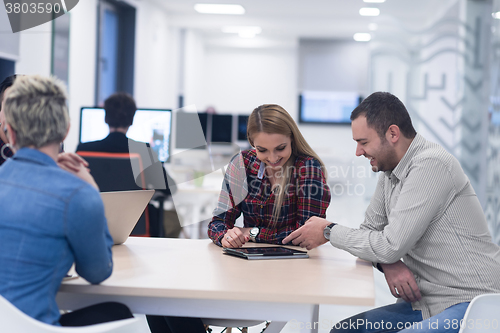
<point x="237" y="80"/>
<point x="82" y="70"/>
<point x="328" y="65"/>
<point x="35" y="50"/>
<point x="155" y="83"/>
<point x="194" y="68"/>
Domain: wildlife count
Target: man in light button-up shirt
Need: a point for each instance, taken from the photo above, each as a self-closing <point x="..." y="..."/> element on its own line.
<point x="424" y="227"/>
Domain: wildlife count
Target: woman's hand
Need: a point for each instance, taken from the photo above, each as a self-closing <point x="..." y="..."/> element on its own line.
<point x="71" y="162"/>
<point x="236" y="237"/>
<point x="76" y="165"/>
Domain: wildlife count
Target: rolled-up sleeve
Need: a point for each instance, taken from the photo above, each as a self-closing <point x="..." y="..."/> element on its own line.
<point x="234" y="190"/>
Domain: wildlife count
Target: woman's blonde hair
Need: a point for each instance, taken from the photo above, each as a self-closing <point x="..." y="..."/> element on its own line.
<point x="273" y="119"/>
<point x="36" y="110"/>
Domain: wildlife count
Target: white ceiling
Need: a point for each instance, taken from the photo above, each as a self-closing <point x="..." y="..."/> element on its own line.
<point x="333" y="19"/>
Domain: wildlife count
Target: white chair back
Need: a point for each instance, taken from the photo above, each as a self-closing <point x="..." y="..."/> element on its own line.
<point x="14" y="320"/>
<point x="482" y="315"/>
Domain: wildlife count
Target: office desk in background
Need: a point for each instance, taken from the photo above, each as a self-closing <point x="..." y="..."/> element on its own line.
<point x="183" y="277"/>
<point x="195" y="201"/>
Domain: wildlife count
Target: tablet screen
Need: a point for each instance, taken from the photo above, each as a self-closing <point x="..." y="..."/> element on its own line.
<point x="268" y="251"/>
<point x="275" y="252"/>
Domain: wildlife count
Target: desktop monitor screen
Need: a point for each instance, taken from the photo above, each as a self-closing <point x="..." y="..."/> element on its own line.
<point x="152" y="126"/>
<point x="327" y="107"/>
<point x="222" y="128"/>
<point x="242" y="127"/>
<point x="204" y="123"/>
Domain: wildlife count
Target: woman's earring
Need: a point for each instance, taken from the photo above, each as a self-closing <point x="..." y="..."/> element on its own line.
<point x="2" y="150"/>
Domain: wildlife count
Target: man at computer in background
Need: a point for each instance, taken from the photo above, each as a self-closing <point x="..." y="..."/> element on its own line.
<point x="424" y="227"/>
<point x="50" y="218"/>
<point x="119" y="110"/>
<point x="119" y="115"/>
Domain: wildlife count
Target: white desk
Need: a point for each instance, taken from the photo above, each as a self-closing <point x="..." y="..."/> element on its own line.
<point x="183" y="277"/>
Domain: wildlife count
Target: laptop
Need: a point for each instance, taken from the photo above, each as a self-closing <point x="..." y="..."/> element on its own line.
<point x="123" y="209"/>
<point x="260" y="253"/>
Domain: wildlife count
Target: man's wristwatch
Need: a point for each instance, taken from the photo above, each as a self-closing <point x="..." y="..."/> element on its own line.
<point x="253" y="233"/>
<point x="327" y="231"/>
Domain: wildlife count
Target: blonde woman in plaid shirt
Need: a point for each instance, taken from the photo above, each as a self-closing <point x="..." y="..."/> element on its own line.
<point x="277" y="185"/>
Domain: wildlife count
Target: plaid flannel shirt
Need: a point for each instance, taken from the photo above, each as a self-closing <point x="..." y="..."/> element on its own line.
<point x="247" y="191"/>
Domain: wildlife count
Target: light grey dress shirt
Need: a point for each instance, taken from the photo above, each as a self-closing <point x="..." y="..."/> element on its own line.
<point x="426" y="212"/>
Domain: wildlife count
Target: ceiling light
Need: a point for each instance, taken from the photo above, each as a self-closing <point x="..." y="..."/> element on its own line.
<point x="243" y="31"/>
<point x="374" y="1"/>
<point x="206" y="8"/>
<point x="362" y="37"/>
<point x="496" y="15"/>
<point x="246" y="34"/>
<point x="238" y="29"/>
<point x="365" y="11"/>
<point x="372" y="26"/>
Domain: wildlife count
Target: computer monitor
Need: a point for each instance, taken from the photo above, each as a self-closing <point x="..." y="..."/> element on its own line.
<point x="203" y="117"/>
<point x="152" y="126"/>
<point x="196" y="130"/>
<point x="241" y="134"/>
<point x="327" y="107"/>
<point x="222" y="128"/>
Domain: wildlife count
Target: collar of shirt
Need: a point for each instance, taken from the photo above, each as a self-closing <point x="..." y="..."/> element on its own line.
<point x="117" y="134"/>
<point x="254" y="162"/>
<point x="34" y="156"/>
<point x="401" y="169"/>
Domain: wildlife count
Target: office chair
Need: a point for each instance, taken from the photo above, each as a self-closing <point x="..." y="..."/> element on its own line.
<point x="14" y="320"/>
<point x="482" y="315"/>
<point x="115" y="172"/>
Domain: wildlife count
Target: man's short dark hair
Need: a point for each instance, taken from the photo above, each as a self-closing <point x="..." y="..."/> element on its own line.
<point x="383" y="109"/>
<point x="120" y="110"/>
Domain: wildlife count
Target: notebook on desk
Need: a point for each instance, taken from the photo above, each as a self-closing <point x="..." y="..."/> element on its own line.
<point x="260" y="253"/>
<point x="123" y="209"/>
